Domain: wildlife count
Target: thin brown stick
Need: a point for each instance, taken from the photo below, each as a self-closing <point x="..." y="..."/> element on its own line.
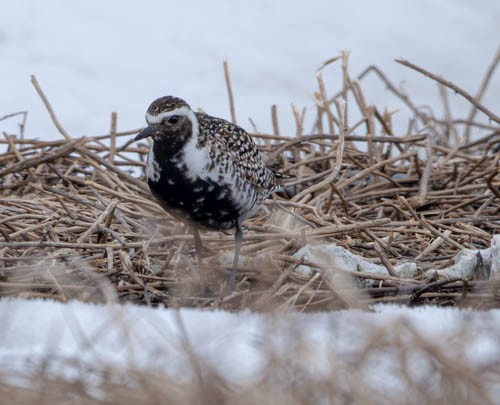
<point x="45" y="101"/>
<point x="299" y="120"/>
<point x="482" y="89"/>
<point x="449" y="119"/>
<point x="112" y="133"/>
<point x="274" y="118"/>
<point x="328" y="62"/>
<point x="419" y="200"/>
<point x="452" y="86"/>
<point x="105" y="216"/>
<point x="42" y="158"/>
<point x="378" y="165"/>
<point x="325" y="105"/>
<point x="229" y="92"/>
<point x="338" y="161"/>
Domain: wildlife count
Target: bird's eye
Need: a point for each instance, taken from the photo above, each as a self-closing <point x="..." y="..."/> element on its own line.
<point x="173" y="119"/>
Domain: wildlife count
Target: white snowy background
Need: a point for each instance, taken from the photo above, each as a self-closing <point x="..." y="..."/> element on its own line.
<point x="94" y="57"/>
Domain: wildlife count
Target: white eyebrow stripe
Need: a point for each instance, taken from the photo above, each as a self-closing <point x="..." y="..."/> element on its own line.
<point x="156" y="119"/>
<point x="184" y="111"/>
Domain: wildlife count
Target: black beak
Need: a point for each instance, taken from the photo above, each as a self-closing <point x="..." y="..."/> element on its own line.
<point x="147" y="132"/>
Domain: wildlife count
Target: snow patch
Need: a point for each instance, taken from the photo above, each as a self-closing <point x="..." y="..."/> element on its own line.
<point x="333" y="258"/>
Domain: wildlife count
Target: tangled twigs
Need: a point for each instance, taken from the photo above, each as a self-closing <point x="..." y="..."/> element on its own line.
<point x="81" y="207"/>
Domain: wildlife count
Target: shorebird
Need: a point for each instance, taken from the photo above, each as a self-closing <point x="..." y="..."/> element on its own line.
<point x="204" y="170"/>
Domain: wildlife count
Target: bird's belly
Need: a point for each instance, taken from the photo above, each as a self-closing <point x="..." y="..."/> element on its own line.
<point x="204" y="201"/>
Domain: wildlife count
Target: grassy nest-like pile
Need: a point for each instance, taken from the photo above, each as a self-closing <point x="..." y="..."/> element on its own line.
<point x="77" y="219"/>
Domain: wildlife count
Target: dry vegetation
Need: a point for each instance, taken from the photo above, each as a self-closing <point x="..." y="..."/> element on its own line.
<point x="77" y="221"/>
<point x="79" y="208"/>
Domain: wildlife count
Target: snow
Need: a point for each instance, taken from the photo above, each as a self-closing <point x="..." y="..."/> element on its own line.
<point x="331" y="256"/>
<point x="52" y="335"/>
<point x="336" y="257"/>
<point x="95" y="57"/>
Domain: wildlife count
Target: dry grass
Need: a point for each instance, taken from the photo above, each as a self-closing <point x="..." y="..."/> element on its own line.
<point x="81" y="206"/>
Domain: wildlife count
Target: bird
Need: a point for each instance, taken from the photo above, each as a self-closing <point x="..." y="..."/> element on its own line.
<point x="205" y="170"/>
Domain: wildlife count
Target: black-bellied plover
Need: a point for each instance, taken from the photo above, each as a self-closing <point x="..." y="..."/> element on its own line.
<point x="205" y="170"/>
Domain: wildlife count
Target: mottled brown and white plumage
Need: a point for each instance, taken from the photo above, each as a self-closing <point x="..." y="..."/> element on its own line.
<point x="205" y="169"/>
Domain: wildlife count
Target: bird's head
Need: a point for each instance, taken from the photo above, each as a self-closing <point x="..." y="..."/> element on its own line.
<point x="170" y="119"/>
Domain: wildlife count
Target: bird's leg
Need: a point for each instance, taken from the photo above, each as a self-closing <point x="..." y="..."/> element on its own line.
<point x="199" y="249"/>
<point x="197" y="244"/>
<point x="238" y="237"/>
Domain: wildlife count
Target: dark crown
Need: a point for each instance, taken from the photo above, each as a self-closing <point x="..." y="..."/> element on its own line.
<point x="166" y="103"/>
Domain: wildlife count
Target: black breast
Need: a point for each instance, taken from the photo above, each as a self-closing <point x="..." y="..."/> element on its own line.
<point x="201" y="200"/>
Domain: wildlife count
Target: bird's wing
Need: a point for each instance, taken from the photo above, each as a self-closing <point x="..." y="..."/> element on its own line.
<point x="228" y="138"/>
